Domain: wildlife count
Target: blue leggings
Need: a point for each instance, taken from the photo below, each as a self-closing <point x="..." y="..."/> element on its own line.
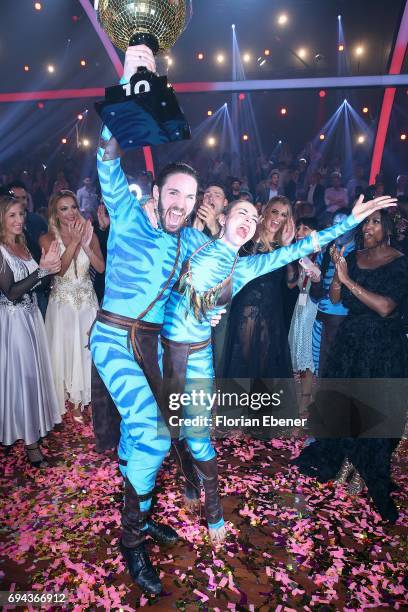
<point x="144" y="440"/>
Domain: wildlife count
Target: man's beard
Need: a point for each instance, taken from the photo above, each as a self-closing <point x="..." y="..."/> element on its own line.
<point x="162" y="217"/>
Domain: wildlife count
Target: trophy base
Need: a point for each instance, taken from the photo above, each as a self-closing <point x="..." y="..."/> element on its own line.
<point x="143" y="112"/>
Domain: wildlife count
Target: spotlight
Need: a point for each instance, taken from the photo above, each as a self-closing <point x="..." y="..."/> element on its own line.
<point x="321" y="137"/>
<point x="341" y="47"/>
<point x="246" y="57"/>
<point x="279" y="142"/>
<point x="245" y="137"/>
<point x="210" y="113"/>
<point x="283" y="111"/>
<point x="37" y="6"/>
<point x="403" y="137"/>
<point x="302" y="53"/>
<point x="359" y="51"/>
<point x="241" y="96"/>
<point x="267" y="52"/>
<point x="169" y="60"/>
<point x="64" y="140"/>
<point x="322" y="93"/>
<point x="200" y="56"/>
<point x="136" y="190"/>
<point x="339" y="17"/>
<point x="51" y="68"/>
<point x="220" y="58"/>
<point x="361" y="139"/>
<point x="282" y="19"/>
<point x="211" y="141"/>
<point x="26" y="68"/>
<point x="86" y="142"/>
<point x="40" y="105"/>
<point x="365" y="109"/>
<point x="233" y="26"/>
<point x="83" y="62"/>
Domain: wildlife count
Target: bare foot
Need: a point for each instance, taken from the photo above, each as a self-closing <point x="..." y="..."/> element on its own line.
<point x="217" y="536"/>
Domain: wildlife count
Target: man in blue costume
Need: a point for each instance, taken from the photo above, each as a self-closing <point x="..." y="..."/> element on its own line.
<point x="142" y="265"/>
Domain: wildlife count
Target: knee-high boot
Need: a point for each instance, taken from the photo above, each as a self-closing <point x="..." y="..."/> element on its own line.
<point x="134" y="523"/>
<point x="185" y="465"/>
<point x="207" y="472"/>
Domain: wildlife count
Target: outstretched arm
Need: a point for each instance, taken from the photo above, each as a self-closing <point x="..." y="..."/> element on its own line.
<point x="249" y="268"/>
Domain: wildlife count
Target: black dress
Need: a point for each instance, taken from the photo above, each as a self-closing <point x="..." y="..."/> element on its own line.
<point x="367" y="346"/>
<point x="257" y="337"/>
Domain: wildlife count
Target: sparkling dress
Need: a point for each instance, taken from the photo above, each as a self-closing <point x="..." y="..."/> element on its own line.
<point x="28" y="403"/>
<point x="72" y="308"/>
<point x="300" y="334"/>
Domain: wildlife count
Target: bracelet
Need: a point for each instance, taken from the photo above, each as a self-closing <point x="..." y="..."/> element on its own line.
<point x="41" y="272"/>
<point x="356" y="288"/>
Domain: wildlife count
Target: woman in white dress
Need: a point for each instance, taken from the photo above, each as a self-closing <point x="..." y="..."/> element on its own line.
<point x="28" y="403"/>
<point x="73" y="303"/>
<point x="304" y="314"/>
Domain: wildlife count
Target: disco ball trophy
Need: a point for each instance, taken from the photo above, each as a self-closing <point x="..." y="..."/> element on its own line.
<point x="144" y="111"/>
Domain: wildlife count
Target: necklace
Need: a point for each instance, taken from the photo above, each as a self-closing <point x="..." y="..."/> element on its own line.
<point x="200" y="302"/>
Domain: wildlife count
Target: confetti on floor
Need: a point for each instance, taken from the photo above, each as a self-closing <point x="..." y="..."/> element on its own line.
<point x="293" y="544"/>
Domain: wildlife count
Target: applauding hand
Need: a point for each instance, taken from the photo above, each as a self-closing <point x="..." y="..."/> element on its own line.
<point x="51" y="261"/>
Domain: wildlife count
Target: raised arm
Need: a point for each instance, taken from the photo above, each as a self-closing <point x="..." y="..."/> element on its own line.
<point x="249" y="268"/>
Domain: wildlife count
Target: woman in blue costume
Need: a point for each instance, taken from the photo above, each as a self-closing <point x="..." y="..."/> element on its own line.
<point x="210" y="278"/>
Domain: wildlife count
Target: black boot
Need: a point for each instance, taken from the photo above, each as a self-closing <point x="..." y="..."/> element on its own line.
<point x="184" y="461"/>
<point x="207" y="472"/>
<point x="132" y="542"/>
<point x="164" y="534"/>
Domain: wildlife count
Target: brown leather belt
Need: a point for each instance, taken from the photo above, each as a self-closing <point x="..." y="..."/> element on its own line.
<point x="132" y="326"/>
<point x="193" y="347"/>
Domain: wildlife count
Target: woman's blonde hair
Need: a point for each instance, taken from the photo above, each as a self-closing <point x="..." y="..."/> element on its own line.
<point x="6" y="202"/>
<point x="53" y="223"/>
<point x="261" y="236"/>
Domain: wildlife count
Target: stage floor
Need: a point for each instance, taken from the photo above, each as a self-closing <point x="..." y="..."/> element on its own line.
<point x="292" y="545"/>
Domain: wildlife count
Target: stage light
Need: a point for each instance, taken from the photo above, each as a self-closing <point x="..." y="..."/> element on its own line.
<point x="302" y="53"/>
<point x="64" y="140"/>
<point x="261" y="61"/>
<point x="321" y="136"/>
<point x="83" y="62"/>
<point x="246" y="57"/>
<point x="220" y="58"/>
<point x="86" y="142"/>
<point x="26" y="68"/>
<point x="365" y="109"/>
<point x="169" y="60"/>
<point x="233" y="26"/>
<point x="80" y="117"/>
<point x="279" y="142"/>
<point x="40" y="105"/>
<point x="283" y="111"/>
<point x="339" y="17"/>
<point x="282" y="19"/>
<point x="50" y="68"/>
<point x="359" y="51"/>
<point x="245" y="137"/>
<point x="361" y="139"/>
<point x="200" y="56"/>
<point x="322" y="93"/>
<point x="211" y="141"/>
<point x="75" y="18"/>
<point x="136" y="190"/>
<point x="241" y="96"/>
<point x="403" y="137"/>
<point x="267" y="52"/>
<point x="210" y="113"/>
<point x="341" y="47"/>
<point x="37" y="6"/>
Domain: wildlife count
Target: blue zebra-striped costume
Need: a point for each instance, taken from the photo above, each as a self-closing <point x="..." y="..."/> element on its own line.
<point x="139" y="262"/>
<point x="209" y="266"/>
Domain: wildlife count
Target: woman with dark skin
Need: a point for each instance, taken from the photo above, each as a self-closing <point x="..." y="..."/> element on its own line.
<point x="370" y="344"/>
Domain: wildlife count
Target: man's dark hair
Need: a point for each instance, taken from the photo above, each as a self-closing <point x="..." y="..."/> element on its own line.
<point x="216" y="184"/>
<point x="175" y="168"/>
<point x="17" y="183"/>
<point x="308" y="222"/>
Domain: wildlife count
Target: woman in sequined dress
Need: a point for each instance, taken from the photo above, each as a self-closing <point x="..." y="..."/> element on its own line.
<point x="73" y="303"/>
<point x="28" y="403"/>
